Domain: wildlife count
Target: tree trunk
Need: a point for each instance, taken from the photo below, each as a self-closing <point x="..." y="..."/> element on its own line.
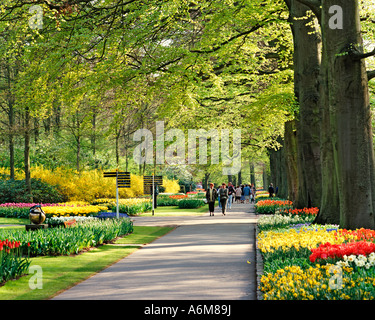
<point x="11" y="121"/>
<point x="329" y="212"/>
<point x="205" y="181"/>
<point x="290" y="145"/>
<point x="117" y="147"/>
<point x="93" y="133"/>
<point x="265" y="178"/>
<point x="307" y="46"/>
<point x="350" y="116"/>
<point x="56" y="117"/>
<point x="252" y="173"/>
<point x="229" y="178"/>
<point x="36" y="130"/>
<point x="78" y="140"/>
<point x="273" y="167"/>
<point x="27" y="154"/>
<point x="78" y="154"/>
<point x="279" y="170"/>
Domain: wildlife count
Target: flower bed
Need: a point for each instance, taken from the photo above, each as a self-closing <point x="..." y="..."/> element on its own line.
<point x="170" y="200"/>
<point x="196" y="194"/>
<point x="190" y="203"/>
<point x="301" y="212"/>
<point x="316" y="262"/>
<point x="77" y="208"/>
<point x="178" y="196"/>
<point x="111" y="215"/>
<point x="131" y="206"/>
<point x="334" y="252"/>
<point x="270" y="206"/>
<point x="61" y="241"/>
<point x="59" y="211"/>
<point x="59" y="221"/>
<point x="317" y="283"/>
<point x="12" y="264"/>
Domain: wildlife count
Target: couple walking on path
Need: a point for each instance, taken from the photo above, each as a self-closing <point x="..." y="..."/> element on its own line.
<point x="222" y="194"/>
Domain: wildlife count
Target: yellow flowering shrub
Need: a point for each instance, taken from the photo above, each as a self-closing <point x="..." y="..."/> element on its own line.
<point x="171" y="186"/>
<point x="136" y="186"/>
<point x="89" y="185"/>
<point x="18" y="174"/>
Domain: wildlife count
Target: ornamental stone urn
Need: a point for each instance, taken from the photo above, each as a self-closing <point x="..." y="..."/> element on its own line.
<point x="37" y="215"/>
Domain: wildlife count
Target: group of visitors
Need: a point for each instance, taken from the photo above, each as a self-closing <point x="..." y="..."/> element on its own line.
<point x="227" y="194"/>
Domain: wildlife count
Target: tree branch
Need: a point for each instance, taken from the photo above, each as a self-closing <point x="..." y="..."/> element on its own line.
<point x="314" y="5"/>
<point x="244" y="33"/>
<point x="370" y="74"/>
<point x="357" y="55"/>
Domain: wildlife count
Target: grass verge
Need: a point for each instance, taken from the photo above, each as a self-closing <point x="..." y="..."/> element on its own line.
<point x="14" y="221"/>
<point x="176" y="211"/>
<point x="62" y="272"/>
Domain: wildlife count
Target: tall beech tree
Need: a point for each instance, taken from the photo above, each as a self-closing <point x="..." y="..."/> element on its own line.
<point x="307" y="47"/>
<point x="346" y="113"/>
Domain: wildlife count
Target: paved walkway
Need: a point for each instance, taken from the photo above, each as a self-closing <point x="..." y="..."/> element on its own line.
<point x="204" y="258"/>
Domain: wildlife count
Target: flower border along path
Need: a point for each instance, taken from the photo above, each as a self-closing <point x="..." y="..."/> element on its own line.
<point x="304" y="261"/>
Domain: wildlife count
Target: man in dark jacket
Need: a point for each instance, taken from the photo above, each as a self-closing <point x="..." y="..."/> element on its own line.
<point x="271" y="190"/>
<point x="211" y="196"/>
<point x="223" y="194"/>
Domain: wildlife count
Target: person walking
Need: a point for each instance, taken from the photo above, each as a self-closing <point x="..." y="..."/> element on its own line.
<point x="238" y="194"/>
<point x="211" y="195"/>
<point x="253" y="190"/>
<point x="218" y="196"/>
<point x="230" y="195"/>
<point x="242" y="194"/>
<point x="271" y="190"/>
<point x="252" y="193"/>
<point x="156" y="193"/>
<point x="223" y="193"/>
<point x="246" y="192"/>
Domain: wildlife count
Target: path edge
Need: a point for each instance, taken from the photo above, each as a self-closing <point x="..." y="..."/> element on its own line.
<point x="259" y="265"/>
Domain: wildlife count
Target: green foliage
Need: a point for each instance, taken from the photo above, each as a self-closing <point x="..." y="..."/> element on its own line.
<point x="14" y="191"/>
<point x="272" y="264"/>
<point x="15" y="212"/>
<point x="164" y="200"/>
<point x="190" y="204"/>
<point x="93" y="74"/>
<point x="133" y="209"/>
<point x="12" y="265"/>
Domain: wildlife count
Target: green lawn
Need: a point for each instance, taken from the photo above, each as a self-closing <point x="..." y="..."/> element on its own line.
<point x="63" y="272"/>
<point x="176" y="211"/>
<point x="13" y="221"/>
